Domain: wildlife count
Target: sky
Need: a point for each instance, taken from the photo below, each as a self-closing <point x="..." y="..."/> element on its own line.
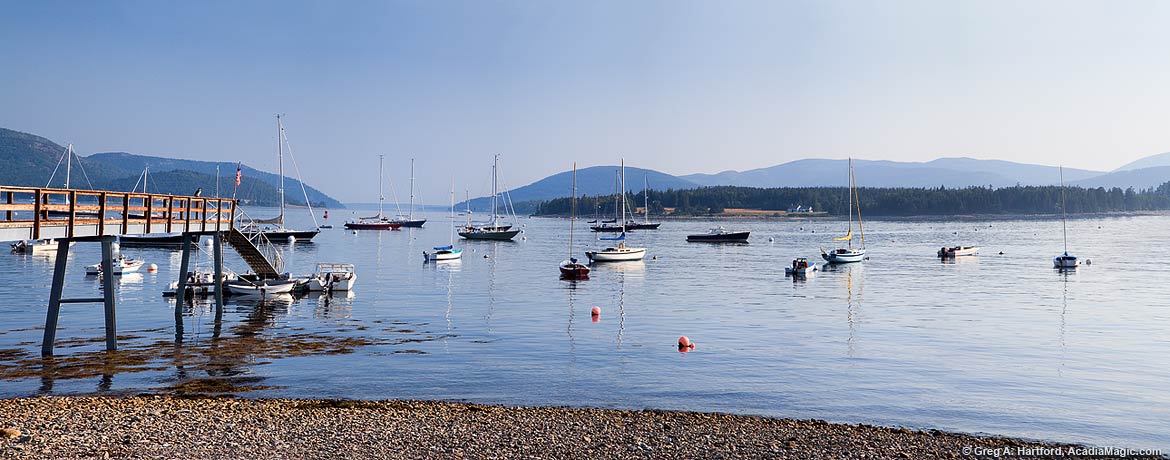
<point x="674" y="85"/>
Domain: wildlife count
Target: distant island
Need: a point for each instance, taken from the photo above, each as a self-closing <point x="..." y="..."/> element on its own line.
<point x="904" y="201"/>
<point x="31" y="159"/>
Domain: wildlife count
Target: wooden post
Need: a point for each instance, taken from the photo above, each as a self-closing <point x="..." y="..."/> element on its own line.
<point x="72" y="212"/>
<point x="54" y="312"/>
<point x="203" y="217"/>
<point x="37" y="216"/>
<point x="217" y="250"/>
<point x="125" y="213"/>
<point x="170" y="212"/>
<point x="149" y="211"/>
<point x="181" y="290"/>
<point x="102" y="214"/>
<point x="187" y="216"/>
<point x="108" y="292"/>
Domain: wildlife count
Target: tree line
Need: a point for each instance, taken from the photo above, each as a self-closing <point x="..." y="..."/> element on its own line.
<point x="874" y="201"/>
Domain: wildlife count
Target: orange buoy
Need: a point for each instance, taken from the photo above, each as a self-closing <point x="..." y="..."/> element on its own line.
<point x="596" y="311"/>
<point x="152" y="268"/>
<point x="684" y="342"/>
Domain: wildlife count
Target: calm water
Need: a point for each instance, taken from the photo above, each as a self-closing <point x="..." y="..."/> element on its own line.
<point x="996" y="344"/>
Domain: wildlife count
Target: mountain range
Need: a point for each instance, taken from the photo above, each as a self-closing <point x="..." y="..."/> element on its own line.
<point x="32" y="160"/>
<point x="1145" y="173"/>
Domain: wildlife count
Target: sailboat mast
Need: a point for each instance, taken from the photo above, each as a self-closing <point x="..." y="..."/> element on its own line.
<point x="849" y="191"/>
<point x="495" y="165"/>
<point x="452" y="213"/>
<point x="145" y="172"/>
<point x="280" y="163"/>
<point x="68" y="163"/>
<point x="646" y="196"/>
<point x="380" y="196"/>
<point x="410" y="213"/>
<point x="623" y="195"/>
<point x="573" y="211"/>
<point x="467" y="199"/>
<point x="1063" y="210"/>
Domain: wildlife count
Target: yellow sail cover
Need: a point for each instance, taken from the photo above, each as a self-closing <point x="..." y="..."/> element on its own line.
<point x="847" y="237"/>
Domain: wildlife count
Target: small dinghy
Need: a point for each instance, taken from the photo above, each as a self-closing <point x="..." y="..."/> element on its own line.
<point x="199" y="284"/>
<point x="122" y="264"/>
<point x="41" y="246"/>
<point x="800" y="267"/>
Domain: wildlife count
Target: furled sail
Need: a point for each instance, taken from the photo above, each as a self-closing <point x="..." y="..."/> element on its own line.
<point x="278" y="220"/>
<point x="847" y="237"/>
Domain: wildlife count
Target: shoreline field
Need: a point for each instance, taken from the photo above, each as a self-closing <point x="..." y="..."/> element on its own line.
<point x="780" y="216"/>
<point x="206" y="427"/>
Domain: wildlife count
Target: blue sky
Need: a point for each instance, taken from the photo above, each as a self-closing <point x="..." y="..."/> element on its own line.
<point x="677" y="86"/>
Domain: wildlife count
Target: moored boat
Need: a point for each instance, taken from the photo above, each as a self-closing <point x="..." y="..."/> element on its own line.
<point x="492" y="231"/>
<point x="957" y="251"/>
<point x="152" y="239"/>
<point x="618" y="253"/>
<point x="800" y="267"/>
<point x="1064" y="261"/>
<point x="720" y="235"/>
<point x="378" y="222"/>
<point x="43" y="246"/>
<point x="332" y="277"/>
<point x="448" y="252"/>
<point x="849" y="254"/>
<point x="570" y="268"/>
<point x="273" y="229"/>
<point x="121" y="264"/>
<point x="261" y="287"/>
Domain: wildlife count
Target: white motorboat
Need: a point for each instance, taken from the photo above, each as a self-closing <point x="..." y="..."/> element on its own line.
<point x="261" y="287"/>
<point x="46" y="246"/>
<point x="1064" y="261"/>
<point x="619" y="253"/>
<point x="332" y="277"/>
<point x="957" y="251"/>
<point x="800" y="267"/>
<point x="849" y="254"/>
<point x="121" y="264"/>
<point x="199" y="284"/>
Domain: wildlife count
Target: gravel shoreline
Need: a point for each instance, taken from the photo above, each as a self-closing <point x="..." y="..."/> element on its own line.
<point x="207" y="427"/>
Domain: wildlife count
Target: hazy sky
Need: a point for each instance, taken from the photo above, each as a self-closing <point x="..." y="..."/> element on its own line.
<point x="677" y="86"/>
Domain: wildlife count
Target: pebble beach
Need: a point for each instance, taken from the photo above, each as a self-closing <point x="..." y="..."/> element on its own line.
<point x="216" y="427"/>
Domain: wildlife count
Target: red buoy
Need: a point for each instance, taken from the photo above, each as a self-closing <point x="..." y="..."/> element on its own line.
<point x="596" y="311"/>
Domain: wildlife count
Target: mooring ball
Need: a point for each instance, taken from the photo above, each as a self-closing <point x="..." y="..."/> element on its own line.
<point x="596" y="311"/>
<point x="684" y="342"/>
<point x="152" y="268"/>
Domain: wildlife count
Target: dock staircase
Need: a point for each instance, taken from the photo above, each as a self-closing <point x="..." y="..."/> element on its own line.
<point x="252" y="255"/>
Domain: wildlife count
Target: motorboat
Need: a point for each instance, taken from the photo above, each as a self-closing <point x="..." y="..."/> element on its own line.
<point x="45" y="246"/>
<point x="199" y="284"/>
<point x="121" y="264"/>
<point x="720" y="235"/>
<point x="264" y="287"/>
<point x="800" y="267"/>
<point x="957" y="251"/>
<point x="332" y="277"/>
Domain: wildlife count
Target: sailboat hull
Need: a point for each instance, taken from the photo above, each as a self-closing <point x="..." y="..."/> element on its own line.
<point x="505" y="235"/>
<point x="609" y="228"/>
<point x="843" y="256"/>
<point x="444" y="255"/>
<point x="280" y="236"/>
<point x="574" y="271"/>
<point x="373" y="225"/>
<point x="643" y="226"/>
<point x="411" y="223"/>
<point x="616" y="254"/>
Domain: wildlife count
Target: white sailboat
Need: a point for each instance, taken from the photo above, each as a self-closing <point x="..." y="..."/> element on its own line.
<point x="620" y="252"/>
<point x="448" y="252"/>
<point x="273" y="229"/>
<point x="849" y="254"/>
<point x="1064" y="261"/>
<point x="570" y="268"/>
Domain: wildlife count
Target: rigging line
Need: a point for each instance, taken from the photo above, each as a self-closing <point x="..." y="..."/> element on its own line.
<point x="83" y="173"/>
<point x="56" y="167"/>
<point x="135" y="188"/>
<point x="298" y="171"/>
